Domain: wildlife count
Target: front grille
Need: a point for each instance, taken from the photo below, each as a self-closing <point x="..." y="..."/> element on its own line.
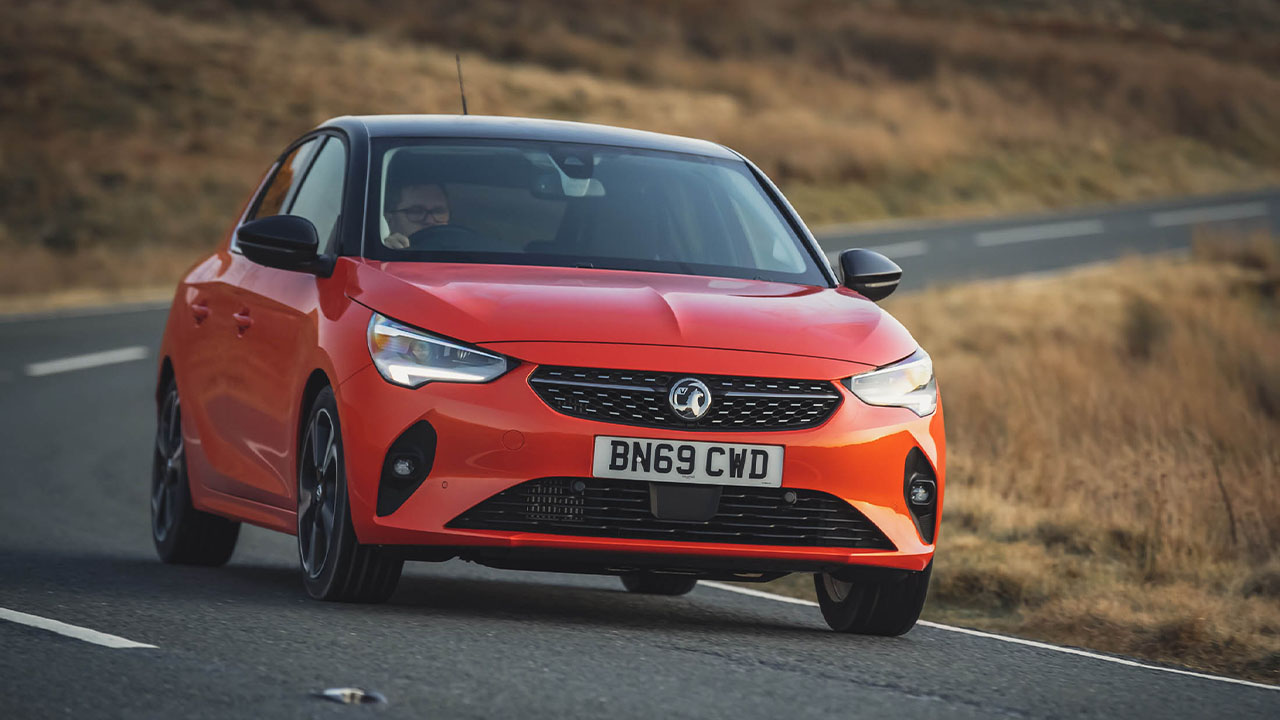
<point x="620" y="509"/>
<point x="629" y="397"/>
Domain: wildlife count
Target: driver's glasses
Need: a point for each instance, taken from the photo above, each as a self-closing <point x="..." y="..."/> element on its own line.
<point x="420" y="213"/>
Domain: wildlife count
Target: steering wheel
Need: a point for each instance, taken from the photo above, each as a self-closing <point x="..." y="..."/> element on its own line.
<point x="446" y="237"/>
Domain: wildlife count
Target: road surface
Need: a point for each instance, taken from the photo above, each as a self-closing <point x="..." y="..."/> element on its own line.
<point x="92" y="625"/>
<point x="947" y="252"/>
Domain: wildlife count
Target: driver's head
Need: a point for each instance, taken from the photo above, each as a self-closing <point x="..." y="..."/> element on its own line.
<point x="412" y="207"/>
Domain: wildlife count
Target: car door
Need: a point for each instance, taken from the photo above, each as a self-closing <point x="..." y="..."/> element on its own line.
<point x="203" y="327"/>
<point x="233" y="464"/>
<point x="277" y="336"/>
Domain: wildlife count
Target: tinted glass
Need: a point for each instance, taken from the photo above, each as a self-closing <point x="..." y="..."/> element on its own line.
<point x="320" y="197"/>
<point x="286" y="178"/>
<point x="537" y="203"/>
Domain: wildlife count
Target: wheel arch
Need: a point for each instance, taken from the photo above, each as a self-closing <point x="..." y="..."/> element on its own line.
<point x="317" y="381"/>
<point x="162" y="380"/>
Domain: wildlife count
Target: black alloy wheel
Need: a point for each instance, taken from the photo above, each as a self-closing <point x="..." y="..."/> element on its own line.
<point x="873" y="602"/>
<point x="651" y="583"/>
<point x="335" y="566"/>
<point x="317" y="491"/>
<point x="182" y="534"/>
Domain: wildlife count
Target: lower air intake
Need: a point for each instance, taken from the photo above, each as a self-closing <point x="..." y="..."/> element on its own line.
<point x="621" y="509"/>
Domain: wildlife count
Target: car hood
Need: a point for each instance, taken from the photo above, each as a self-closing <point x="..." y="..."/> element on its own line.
<point x="505" y="303"/>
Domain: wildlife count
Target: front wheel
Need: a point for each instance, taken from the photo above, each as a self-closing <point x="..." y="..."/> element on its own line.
<point x="335" y="566"/>
<point x="877" y="603"/>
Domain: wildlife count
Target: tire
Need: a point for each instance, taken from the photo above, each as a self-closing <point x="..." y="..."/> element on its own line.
<point x="335" y="566"/>
<point x="877" y="603"/>
<point x="648" y="583"/>
<point x="182" y="534"/>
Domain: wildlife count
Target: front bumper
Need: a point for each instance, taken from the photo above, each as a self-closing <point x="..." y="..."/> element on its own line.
<point x="497" y="435"/>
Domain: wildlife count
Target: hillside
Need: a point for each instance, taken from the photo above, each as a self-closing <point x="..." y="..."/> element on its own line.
<point x="131" y="132"/>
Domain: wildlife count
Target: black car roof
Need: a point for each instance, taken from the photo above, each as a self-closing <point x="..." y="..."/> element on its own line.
<point x="514" y="128"/>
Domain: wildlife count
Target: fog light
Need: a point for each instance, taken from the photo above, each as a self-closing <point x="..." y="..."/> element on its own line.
<point x="921" y="492"/>
<point x="407" y="464"/>
<point x="403" y="467"/>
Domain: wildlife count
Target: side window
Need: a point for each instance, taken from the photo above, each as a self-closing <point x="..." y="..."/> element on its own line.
<point x="320" y="197"/>
<point x="286" y="178"/>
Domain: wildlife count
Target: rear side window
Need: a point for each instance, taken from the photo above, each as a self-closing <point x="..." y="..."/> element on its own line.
<point x="319" y="199"/>
<point x="286" y="179"/>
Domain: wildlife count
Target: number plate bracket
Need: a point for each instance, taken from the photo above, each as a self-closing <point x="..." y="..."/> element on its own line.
<point x="676" y="501"/>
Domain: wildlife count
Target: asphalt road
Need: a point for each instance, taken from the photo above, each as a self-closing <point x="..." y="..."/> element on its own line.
<point x="459" y="640"/>
<point x="948" y="252"/>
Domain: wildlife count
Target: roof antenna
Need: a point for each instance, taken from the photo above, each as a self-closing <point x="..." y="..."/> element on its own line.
<point x="458" y="59"/>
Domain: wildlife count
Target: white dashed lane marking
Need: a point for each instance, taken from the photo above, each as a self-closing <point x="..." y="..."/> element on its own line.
<point x="897" y="251"/>
<point x="1007" y="639"/>
<point x="910" y="248"/>
<point x="1032" y="233"/>
<point x="1214" y="213"/>
<point x="84" y="362"/>
<point x="71" y="631"/>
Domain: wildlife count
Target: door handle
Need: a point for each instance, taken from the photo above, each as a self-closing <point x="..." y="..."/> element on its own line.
<point x="243" y="321"/>
<point x="200" y="311"/>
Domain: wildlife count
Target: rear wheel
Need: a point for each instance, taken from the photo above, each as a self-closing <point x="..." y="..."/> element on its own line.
<point x="182" y="534"/>
<point x="649" y="583"/>
<point x="878" y="603"/>
<point x="335" y="566"/>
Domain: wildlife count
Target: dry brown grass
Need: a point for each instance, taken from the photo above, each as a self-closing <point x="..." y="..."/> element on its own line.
<point x="1114" y="456"/>
<point x="30" y="271"/>
<point x="129" y="126"/>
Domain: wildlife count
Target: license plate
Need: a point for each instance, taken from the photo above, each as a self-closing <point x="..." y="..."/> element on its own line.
<point x="686" y="461"/>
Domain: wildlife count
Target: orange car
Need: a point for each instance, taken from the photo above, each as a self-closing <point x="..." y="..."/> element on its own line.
<point x="546" y="345"/>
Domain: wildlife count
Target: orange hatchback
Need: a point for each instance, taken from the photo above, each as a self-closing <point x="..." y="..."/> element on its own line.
<point x="550" y="346"/>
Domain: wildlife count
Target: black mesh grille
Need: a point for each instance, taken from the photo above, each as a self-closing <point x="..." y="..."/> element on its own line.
<point x="630" y="397"/>
<point x="620" y="509"/>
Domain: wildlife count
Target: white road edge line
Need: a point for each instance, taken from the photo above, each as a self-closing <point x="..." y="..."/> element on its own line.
<point x="70" y="313"/>
<point x="72" y="631"/>
<point x="1006" y="638"/>
<point x="1030" y="233"/>
<point x="1214" y="213"/>
<point x="83" y="362"/>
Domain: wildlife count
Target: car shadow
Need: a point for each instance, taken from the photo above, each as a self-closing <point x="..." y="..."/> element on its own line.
<point x="426" y="591"/>
<point x="545" y="600"/>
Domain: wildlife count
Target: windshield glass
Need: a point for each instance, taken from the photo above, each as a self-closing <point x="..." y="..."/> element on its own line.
<point x="543" y="203"/>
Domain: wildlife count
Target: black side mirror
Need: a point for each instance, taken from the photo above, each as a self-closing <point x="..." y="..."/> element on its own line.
<point x="869" y="273"/>
<point x="287" y="242"/>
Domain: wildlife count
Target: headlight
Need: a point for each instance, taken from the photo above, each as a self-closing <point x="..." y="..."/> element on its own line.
<point x="411" y="357"/>
<point x="908" y="383"/>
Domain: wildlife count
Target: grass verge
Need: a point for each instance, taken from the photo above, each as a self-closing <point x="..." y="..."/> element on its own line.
<point x="142" y="125"/>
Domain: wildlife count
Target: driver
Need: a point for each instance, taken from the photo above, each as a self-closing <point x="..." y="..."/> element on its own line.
<point x="411" y="208"/>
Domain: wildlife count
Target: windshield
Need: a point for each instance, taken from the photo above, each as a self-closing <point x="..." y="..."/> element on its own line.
<point x="544" y="203"/>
